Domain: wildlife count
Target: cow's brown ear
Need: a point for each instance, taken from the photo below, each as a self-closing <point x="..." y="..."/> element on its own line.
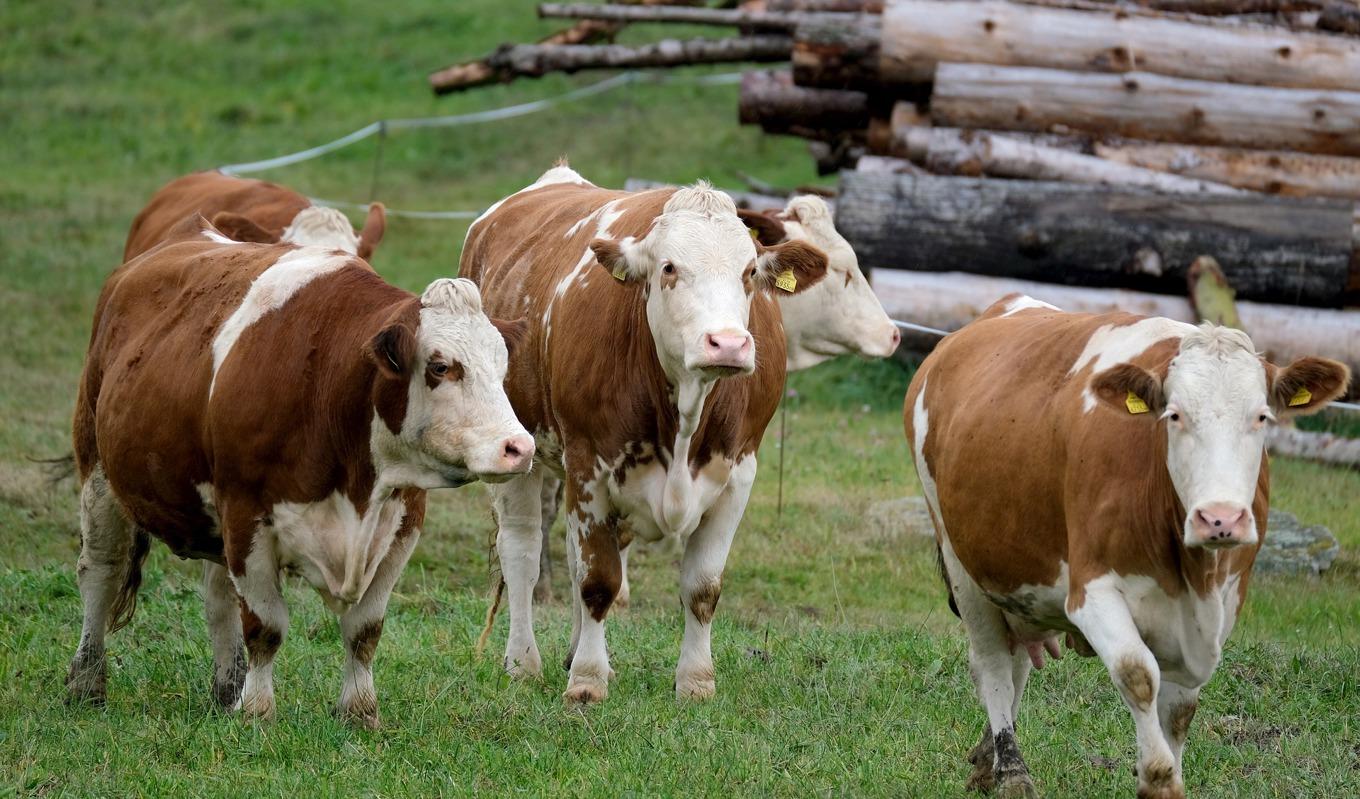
<point x="768" y="230"/>
<point x="790" y="267"/>
<point x="393" y="350"/>
<point x="239" y="228"/>
<point x="375" y="224"/>
<point x="1306" y="385"/>
<point x="619" y="258"/>
<point x="513" y="332"/>
<point x="1130" y="389"/>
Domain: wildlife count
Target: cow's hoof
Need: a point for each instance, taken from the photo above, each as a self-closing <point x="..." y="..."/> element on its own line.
<point x="585" y="692"/>
<point x="1176" y="791"/>
<point x="528" y="666"/>
<point x="256" y="708"/>
<point x="1157" y="780"/>
<point x="364" y="720"/>
<point x="1017" y="786"/>
<point x="982" y="779"/>
<point x="697" y="688"/>
<point x="85" y="685"/>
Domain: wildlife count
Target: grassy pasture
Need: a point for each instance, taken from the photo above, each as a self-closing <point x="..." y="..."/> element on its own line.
<point x="840" y="670"/>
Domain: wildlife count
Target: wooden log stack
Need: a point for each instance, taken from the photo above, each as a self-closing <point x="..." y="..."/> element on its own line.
<point x="1088" y="143"/>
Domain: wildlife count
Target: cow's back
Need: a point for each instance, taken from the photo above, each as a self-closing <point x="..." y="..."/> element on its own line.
<point x="269" y="205"/>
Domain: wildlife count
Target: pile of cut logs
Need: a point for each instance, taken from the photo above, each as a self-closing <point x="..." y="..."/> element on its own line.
<point x="1090" y="146"/>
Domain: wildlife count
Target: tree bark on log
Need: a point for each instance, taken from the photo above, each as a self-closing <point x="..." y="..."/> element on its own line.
<point x="1273" y="249"/>
<point x="838" y="52"/>
<point x="1321" y="447"/>
<point x="534" y="60"/>
<point x="919" y="34"/>
<point x="1284" y="173"/>
<point x="949" y="300"/>
<point x="974" y="153"/>
<point x="1340" y="18"/>
<point x="737" y="18"/>
<point x="769" y="99"/>
<point x="827" y="6"/>
<point x="1146" y="106"/>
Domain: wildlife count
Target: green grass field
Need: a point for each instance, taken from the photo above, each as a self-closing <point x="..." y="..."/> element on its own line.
<point x="840" y="670"/>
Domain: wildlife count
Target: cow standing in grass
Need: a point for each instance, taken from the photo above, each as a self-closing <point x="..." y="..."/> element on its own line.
<point x="840" y="315"/>
<point x="251" y="210"/>
<point x="269" y="408"/>
<point x="1102" y="476"/>
<point x="653" y="361"/>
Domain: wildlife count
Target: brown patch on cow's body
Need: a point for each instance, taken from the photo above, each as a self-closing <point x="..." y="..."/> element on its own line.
<point x="1136" y="681"/>
<point x="1181" y="716"/>
<point x="365" y="642"/>
<point x="268" y="205"/>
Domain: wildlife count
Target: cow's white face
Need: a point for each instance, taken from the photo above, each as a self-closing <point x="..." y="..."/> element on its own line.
<point x="702" y="269"/>
<point x="322" y="227"/>
<point x="840" y="314"/>
<point x="458" y="422"/>
<point x="1217" y="400"/>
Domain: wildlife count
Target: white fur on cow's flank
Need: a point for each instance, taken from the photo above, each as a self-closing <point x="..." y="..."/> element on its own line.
<point x="1114" y="344"/>
<point x="839" y="315"/>
<point x="270" y="291"/>
<point x="319" y="226"/>
<point x="1025" y="302"/>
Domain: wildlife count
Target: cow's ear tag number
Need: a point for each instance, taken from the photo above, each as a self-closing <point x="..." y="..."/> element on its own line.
<point x="620" y="272"/>
<point x="786" y="281"/>
<point x="1301" y="397"/>
<point x="1135" y="403"/>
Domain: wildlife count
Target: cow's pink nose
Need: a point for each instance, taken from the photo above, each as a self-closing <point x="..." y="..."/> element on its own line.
<point x="727" y="349"/>
<point x="1222" y="523"/>
<point x="517" y="452"/>
<point x="896" y="339"/>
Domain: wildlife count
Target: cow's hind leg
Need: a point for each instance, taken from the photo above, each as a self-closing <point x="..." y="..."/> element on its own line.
<point x="361" y="625"/>
<point x="593" y="544"/>
<point x="551" y="502"/>
<point x="519" y="505"/>
<point x="222" y="610"/>
<point x="1176" y="706"/>
<point x="108" y="573"/>
<point x="264" y="619"/>
<point x="999" y="676"/>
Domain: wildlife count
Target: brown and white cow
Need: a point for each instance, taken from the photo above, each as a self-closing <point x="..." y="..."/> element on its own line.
<point x="653" y="361"/>
<point x="1104" y="477"/>
<point x="273" y="407"/>
<point x="251" y="210"/>
<point x="839" y="315"/>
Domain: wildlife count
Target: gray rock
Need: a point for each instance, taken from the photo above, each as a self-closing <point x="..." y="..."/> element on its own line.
<point x="1293" y="547"/>
<point x="896" y="518"/>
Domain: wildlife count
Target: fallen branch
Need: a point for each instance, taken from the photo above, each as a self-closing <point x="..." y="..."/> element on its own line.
<point x="1322" y="447"/>
<point x="761" y="20"/>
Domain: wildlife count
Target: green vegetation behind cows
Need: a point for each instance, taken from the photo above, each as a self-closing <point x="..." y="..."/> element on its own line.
<point x="840" y="669"/>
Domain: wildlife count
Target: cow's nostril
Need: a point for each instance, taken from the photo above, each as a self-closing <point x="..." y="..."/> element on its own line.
<point x="512" y="450"/>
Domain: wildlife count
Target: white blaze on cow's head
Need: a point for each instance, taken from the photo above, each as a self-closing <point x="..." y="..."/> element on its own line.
<point x="448" y="361"/>
<point x="840" y="314"/>
<point x="701" y="269"/>
<point x="326" y="227"/>
<point x="1216" y="402"/>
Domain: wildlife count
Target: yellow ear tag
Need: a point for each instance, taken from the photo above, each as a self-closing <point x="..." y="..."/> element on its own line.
<point x="754" y="236"/>
<point x="620" y="272"/>
<point x="786" y="281"/>
<point x="1301" y="397"/>
<point x="1135" y="403"/>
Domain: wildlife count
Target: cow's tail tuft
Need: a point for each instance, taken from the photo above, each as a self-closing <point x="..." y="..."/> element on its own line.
<point x="490" y="618"/>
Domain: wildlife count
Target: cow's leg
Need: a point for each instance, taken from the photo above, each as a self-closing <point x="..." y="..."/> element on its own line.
<point x="1176" y="706"/>
<point x="982" y="756"/>
<point x="573" y="558"/>
<point x="264" y="614"/>
<point x="519" y="508"/>
<point x="551" y="495"/>
<point x="701" y="571"/>
<point x="362" y="624"/>
<point x="1105" y="621"/>
<point x="625" y="596"/>
<point x="222" y="610"/>
<point x="994" y="669"/>
<point x="596" y="579"/>
<point x="107" y="543"/>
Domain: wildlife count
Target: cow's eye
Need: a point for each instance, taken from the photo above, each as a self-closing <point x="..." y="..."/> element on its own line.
<point x="1263" y="418"/>
<point x="668" y="268"/>
<point x="1175" y="417"/>
<point x="751" y="274"/>
<point x="439" y="369"/>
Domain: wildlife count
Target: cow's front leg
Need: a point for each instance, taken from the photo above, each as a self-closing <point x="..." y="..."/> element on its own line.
<point x="264" y="615"/>
<point x="518" y="504"/>
<point x="593" y="543"/>
<point x="1105" y="621"/>
<point x="362" y="625"/>
<point x="1176" y="706"/>
<point x="551" y="496"/>
<point x="701" y="571"/>
<point x="222" y="610"/>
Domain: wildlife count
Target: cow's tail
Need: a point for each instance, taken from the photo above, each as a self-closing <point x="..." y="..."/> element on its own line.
<point x="944" y="575"/>
<point x="125" y="601"/>
<point x="490" y="617"/>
